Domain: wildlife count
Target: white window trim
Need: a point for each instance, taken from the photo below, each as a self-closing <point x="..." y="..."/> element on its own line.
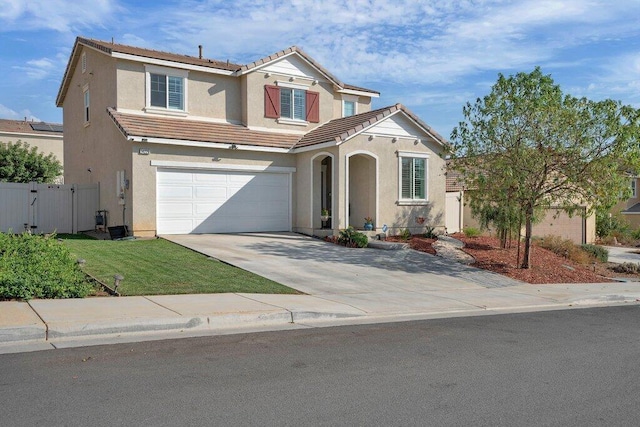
<point x="409" y="202"/>
<point x="289" y="85"/>
<point x="287" y="120"/>
<point x="154" y="69"/>
<point x="350" y="98"/>
<point x="634" y="188"/>
<point x="86" y="109"/>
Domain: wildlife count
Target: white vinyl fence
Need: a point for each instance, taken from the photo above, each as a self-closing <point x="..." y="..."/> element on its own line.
<point x="45" y="208"/>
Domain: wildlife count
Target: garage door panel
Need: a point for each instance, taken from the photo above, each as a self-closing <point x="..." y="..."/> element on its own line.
<point x="222" y="202"/>
<point x="175" y="192"/>
<point x="174" y="177"/>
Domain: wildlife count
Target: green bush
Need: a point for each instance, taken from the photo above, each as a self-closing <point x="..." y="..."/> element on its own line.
<point x="405" y="234"/>
<point x="430" y="233"/>
<point x="33" y="266"/>
<point x="471" y="232"/>
<point x="610" y="225"/>
<point x="598" y="252"/>
<point x="353" y="239"/>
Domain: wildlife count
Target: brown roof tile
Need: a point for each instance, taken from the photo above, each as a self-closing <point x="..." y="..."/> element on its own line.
<point x="109" y="48"/>
<point x="148" y="126"/>
<point x="309" y="59"/>
<point x="36" y="128"/>
<point x="341" y="129"/>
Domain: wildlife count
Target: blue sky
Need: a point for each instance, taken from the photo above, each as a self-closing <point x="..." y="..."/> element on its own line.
<point x="432" y="56"/>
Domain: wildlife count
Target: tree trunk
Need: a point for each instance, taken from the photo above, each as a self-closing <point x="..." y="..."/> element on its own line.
<point x="528" y="217"/>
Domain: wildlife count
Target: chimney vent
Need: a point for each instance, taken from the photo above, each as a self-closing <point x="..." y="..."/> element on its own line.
<point x="200" y="51"/>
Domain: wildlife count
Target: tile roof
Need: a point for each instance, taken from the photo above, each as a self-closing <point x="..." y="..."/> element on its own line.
<point x="296" y="49"/>
<point x="30" y="127"/>
<point x="339" y="130"/>
<point x="109" y="48"/>
<point x="633" y="209"/>
<point x="148" y="126"/>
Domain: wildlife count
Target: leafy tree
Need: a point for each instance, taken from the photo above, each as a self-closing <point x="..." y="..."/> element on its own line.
<point x="528" y="143"/>
<point x="19" y="163"/>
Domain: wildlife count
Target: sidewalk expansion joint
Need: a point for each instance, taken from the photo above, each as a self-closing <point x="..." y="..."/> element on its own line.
<point x="160" y="305"/>
<point x="46" y="326"/>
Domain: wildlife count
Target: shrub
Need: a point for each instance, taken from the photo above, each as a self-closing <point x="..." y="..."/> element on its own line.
<point x="471" y="232"/>
<point x="33" y="266"/>
<point x="430" y="233"/>
<point x="598" y="252"/>
<point x="353" y="239"/>
<point x="405" y="234"/>
<point x="627" y="268"/>
<point x="565" y="248"/>
<point x="610" y="226"/>
<point x="635" y="234"/>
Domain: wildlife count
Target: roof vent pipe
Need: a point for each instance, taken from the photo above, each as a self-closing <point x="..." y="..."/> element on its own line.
<point x="200" y="51"/>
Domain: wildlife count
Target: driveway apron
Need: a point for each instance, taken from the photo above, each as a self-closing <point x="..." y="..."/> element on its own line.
<point x="320" y="268"/>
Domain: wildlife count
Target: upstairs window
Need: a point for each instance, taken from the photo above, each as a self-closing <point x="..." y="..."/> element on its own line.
<point x="413" y="177"/>
<point x="348" y="108"/>
<point x="291" y="103"/>
<point x="633" y="188"/>
<point x="166" y="89"/>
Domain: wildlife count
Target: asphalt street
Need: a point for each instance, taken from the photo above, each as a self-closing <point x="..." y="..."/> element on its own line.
<point x="569" y="368"/>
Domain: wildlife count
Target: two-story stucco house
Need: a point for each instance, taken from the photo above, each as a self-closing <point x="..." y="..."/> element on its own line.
<point x="185" y="144"/>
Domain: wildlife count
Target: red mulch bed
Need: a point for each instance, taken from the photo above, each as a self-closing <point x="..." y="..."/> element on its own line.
<point x="418" y="243"/>
<point x="546" y="267"/>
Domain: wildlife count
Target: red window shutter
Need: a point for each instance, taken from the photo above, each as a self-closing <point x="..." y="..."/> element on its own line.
<point x="271" y="101"/>
<point x="313" y="107"/>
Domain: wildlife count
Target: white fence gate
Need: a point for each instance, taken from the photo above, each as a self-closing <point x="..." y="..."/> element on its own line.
<point x="453" y="212"/>
<point x="45" y="208"/>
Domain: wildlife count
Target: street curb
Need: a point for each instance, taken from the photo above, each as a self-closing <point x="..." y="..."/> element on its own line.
<point x="23" y="333"/>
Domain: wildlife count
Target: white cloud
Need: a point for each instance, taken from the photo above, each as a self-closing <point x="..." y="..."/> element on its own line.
<point x="66" y="16"/>
<point x="8" y="113"/>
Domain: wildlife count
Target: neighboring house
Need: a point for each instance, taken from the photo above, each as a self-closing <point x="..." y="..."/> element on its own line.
<point x="629" y="209"/>
<point x="185" y="144"/>
<point x="577" y="228"/>
<point x="47" y="137"/>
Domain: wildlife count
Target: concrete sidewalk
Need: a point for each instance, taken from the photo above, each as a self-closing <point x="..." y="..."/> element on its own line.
<point x="46" y="324"/>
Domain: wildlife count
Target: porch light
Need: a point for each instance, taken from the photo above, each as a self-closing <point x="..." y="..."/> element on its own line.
<point x="233" y="147"/>
<point x="394" y="139"/>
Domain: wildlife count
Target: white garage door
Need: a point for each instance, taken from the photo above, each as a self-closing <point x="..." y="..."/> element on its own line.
<point x="191" y="201"/>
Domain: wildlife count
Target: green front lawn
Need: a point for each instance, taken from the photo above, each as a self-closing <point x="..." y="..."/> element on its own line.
<point x="155" y="267"/>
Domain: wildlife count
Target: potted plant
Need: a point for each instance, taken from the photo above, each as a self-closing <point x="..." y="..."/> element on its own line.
<point x="368" y="223"/>
<point x="324" y="215"/>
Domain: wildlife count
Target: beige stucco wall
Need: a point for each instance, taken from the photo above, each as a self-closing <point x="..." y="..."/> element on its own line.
<point x="143" y="180"/>
<point x="307" y="218"/>
<point x="363" y="104"/>
<point x="208" y="95"/>
<point x="46" y="144"/>
<point x="389" y="212"/>
<point x="98" y="146"/>
<point x="255" y="83"/>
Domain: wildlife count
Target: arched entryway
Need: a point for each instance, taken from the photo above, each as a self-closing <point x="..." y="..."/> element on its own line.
<point x="322" y="193"/>
<point x="362" y="188"/>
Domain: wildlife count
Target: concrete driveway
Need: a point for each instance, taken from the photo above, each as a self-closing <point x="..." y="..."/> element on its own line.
<point x="316" y="267"/>
<point x="622" y="254"/>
